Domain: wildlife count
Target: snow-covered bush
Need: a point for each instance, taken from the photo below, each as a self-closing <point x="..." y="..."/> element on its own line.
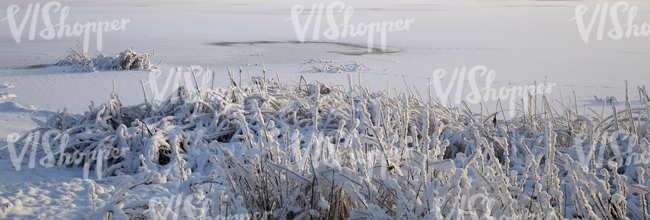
<point x="127" y="60"/>
<point x="317" y="151"/>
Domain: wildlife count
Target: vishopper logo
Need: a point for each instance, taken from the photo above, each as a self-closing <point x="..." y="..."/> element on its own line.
<point x="49" y="32"/>
<point x="601" y="12"/>
<point x="477" y="206"/>
<point x="613" y="149"/>
<point x="320" y="149"/>
<point x="177" y="76"/>
<point x="333" y="32"/>
<point x="486" y="93"/>
<point x="177" y="205"/>
<point x="54" y="137"/>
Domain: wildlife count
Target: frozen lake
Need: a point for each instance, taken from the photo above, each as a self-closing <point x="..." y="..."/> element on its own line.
<point x="477" y="51"/>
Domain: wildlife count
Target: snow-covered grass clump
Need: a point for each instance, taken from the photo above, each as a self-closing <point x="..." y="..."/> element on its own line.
<point x="318" y="151"/>
<point x="127" y="60"/>
<point x="332" y="66"/>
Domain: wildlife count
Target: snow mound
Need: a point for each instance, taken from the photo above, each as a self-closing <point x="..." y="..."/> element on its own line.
<point x="12" y="106"/>
<point x="317" y="151"/>
<point x="5" y="95"/>
<point x="44" y="197"/>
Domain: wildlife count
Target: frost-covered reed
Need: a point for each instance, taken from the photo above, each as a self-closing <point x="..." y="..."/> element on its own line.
<point x="318" y="151"/>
